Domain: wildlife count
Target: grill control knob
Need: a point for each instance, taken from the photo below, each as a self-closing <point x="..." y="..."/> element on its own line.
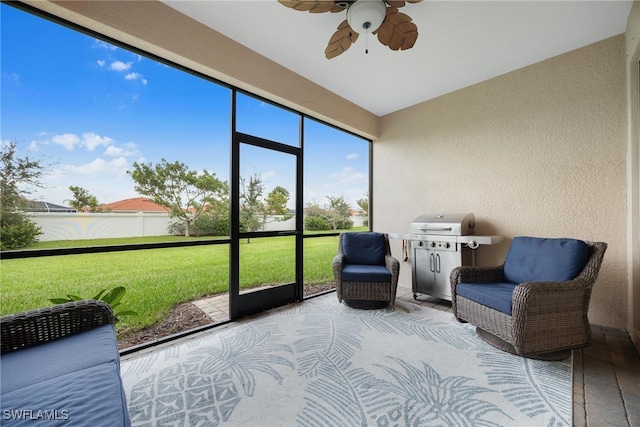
<point x="447" y="245"/>
<point x="432" y="244"/>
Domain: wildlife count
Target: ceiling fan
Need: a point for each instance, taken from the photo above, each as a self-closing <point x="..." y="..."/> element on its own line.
<point x="380" y="17"/>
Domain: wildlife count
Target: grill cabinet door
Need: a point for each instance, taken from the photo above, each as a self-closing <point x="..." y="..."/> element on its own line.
<point x="446" y="261"/>
<point x="431" y="269"/>
<point x="423" y="270"/>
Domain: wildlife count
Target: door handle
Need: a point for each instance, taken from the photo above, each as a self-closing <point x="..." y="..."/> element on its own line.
<point x="437" y="263"/>
<point x="432" y="263"/>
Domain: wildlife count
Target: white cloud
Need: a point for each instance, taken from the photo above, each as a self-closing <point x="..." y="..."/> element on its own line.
<point x="14" y="77"/>
<point x="346" y="176"/>
<point x="34" y="146"/>
<point x="127" y="150"/>
<point x="55" y="175"/>
<point x="67" y="140"/>
<point x="104" y="45"/>
<point x="352" y="156"/>
<point x="136" y="76"/>
<point x="101" y="63"/>
<point x="91" y="140"/>
<point x="120" y="66"/>
<point x="268" y="175"/>
<point x="100" y="166"/>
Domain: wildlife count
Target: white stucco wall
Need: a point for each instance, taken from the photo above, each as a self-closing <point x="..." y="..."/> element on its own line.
<point x="540" y="151"/>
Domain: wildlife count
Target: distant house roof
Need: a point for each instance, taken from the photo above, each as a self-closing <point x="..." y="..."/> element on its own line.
<point x="37" y="206"/>
<point x="137" y="204"/>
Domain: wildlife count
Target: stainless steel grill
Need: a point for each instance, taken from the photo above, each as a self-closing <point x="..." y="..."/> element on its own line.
<point x="440" y="243"/>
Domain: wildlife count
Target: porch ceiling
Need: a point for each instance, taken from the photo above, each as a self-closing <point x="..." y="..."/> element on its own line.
<point x="460" y="43"/>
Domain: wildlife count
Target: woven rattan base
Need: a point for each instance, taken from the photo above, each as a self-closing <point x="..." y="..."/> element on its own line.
<point x="501" y="344"/>
<point x="366" y="304"/>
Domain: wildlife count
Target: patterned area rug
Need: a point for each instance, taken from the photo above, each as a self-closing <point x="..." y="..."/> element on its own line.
<point x="321" y="363"/>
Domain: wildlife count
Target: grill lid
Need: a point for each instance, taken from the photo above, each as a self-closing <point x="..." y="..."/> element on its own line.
<point x="444" y="224"/>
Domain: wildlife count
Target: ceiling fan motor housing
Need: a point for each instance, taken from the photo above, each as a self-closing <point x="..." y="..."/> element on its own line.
<point x="366" y="15"/>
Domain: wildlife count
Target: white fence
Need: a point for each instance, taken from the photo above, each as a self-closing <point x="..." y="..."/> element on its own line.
<point x="78" y="226"/>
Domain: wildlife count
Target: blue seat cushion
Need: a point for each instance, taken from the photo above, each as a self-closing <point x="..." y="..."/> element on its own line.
<point x="366" y="248"/>
<point x="55" y="358"/>
<point x="88" y="397"/>
<point x="533" y="259"/>
<point x="494" y="295"/>
<point x="365" y="273"/>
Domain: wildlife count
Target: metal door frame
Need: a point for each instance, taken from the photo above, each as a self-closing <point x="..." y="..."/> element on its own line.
<point x="241" y="305"/>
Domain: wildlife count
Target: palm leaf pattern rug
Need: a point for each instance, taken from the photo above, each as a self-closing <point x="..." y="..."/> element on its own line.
<point x="321" y="363"/>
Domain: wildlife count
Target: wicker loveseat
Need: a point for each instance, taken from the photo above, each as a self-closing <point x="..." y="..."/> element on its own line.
<point x="365" y="272"/>
<point x="61" y="365"/>
<point x="536" y="303"/>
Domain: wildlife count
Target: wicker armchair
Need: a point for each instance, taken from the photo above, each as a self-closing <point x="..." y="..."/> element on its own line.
<point x="38" y="326"/>
<point x="547" y="319"/>
<point x="365" y="272"/>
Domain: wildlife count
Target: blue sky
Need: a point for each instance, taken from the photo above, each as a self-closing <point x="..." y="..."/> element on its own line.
<point x="90" y="110"/>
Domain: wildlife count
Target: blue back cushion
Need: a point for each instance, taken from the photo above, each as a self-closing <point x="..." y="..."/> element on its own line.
<point x="364" y="248"/>
<point x="533" y="259"/>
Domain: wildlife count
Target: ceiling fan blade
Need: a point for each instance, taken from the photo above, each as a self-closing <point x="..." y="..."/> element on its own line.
<point x="397" y="31"/>
<point x="312" y="6"/>
<point x="341" y="40"/>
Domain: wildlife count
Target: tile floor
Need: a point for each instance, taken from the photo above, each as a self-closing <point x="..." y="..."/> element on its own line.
<point x="606" y="375"/>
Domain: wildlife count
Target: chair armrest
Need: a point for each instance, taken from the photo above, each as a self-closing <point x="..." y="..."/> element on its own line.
<point x="392" y="264"/>
<point x="550" y="297"/>
<point x="38" y="326"/>
<point x="538" y="305"/>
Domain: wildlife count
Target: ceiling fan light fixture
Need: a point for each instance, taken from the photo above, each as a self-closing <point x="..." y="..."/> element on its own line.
<point x="366" y="15"/>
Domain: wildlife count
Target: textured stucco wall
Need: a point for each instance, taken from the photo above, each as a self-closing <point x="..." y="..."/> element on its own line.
<point x="539" y="151"/>
<point x="632" y="44"/>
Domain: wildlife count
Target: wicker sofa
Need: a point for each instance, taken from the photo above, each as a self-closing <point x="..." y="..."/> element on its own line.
<point x="536" y="303"/>
<point x="61" y="365"/>
<point x="365" y="272"/>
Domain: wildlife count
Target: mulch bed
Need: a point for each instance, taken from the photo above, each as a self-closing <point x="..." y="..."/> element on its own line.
<point x="181" y="318"/>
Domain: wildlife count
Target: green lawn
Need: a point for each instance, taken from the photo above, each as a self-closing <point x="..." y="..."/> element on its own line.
<point x="158" y="279"/>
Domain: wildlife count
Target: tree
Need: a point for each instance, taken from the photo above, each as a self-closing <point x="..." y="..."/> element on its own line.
<point x="17" y="174"/>
<point x="251" y="206"/>
<point x="333" y="216"/>
<point x="338" y="212"/>
<point x="364" y="203"/>
<point x="276" y="204"/>
<point x="83" y="199"/>
<point x="187" y="194"/>
<point x="276" y="201"/>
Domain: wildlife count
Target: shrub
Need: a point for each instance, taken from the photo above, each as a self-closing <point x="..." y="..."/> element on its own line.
<point x="206" y="225"/>
<point x="316" y="223"/>
<point x="17" y="231"/>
